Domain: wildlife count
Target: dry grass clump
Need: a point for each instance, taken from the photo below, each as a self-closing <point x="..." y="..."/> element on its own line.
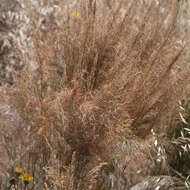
<point x="108" y="73"/>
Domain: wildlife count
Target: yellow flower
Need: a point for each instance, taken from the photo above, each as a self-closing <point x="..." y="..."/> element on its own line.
<point x="26" y="177"/>
<point x="75" y="14"/>
<point x="18" y="170"/>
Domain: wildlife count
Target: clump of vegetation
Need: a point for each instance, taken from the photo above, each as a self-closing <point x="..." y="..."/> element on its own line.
<point x="105" y="91"/>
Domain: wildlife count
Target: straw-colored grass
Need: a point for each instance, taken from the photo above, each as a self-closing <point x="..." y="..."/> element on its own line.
<point x="111" y="73"/>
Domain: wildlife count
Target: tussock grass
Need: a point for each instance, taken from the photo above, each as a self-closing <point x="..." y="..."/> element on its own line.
<point x="109" y="72"/>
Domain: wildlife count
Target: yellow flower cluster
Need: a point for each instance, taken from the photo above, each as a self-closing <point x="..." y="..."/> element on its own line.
<point x="18" y="170"/>
<point x="15" y="180"/>
<point x="26" y="177"/>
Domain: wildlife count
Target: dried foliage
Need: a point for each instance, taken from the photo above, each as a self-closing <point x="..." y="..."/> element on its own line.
<point x="110" y="73"/>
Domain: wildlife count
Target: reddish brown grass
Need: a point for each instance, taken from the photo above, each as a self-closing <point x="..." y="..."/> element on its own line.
<point x="99" y="79"/>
